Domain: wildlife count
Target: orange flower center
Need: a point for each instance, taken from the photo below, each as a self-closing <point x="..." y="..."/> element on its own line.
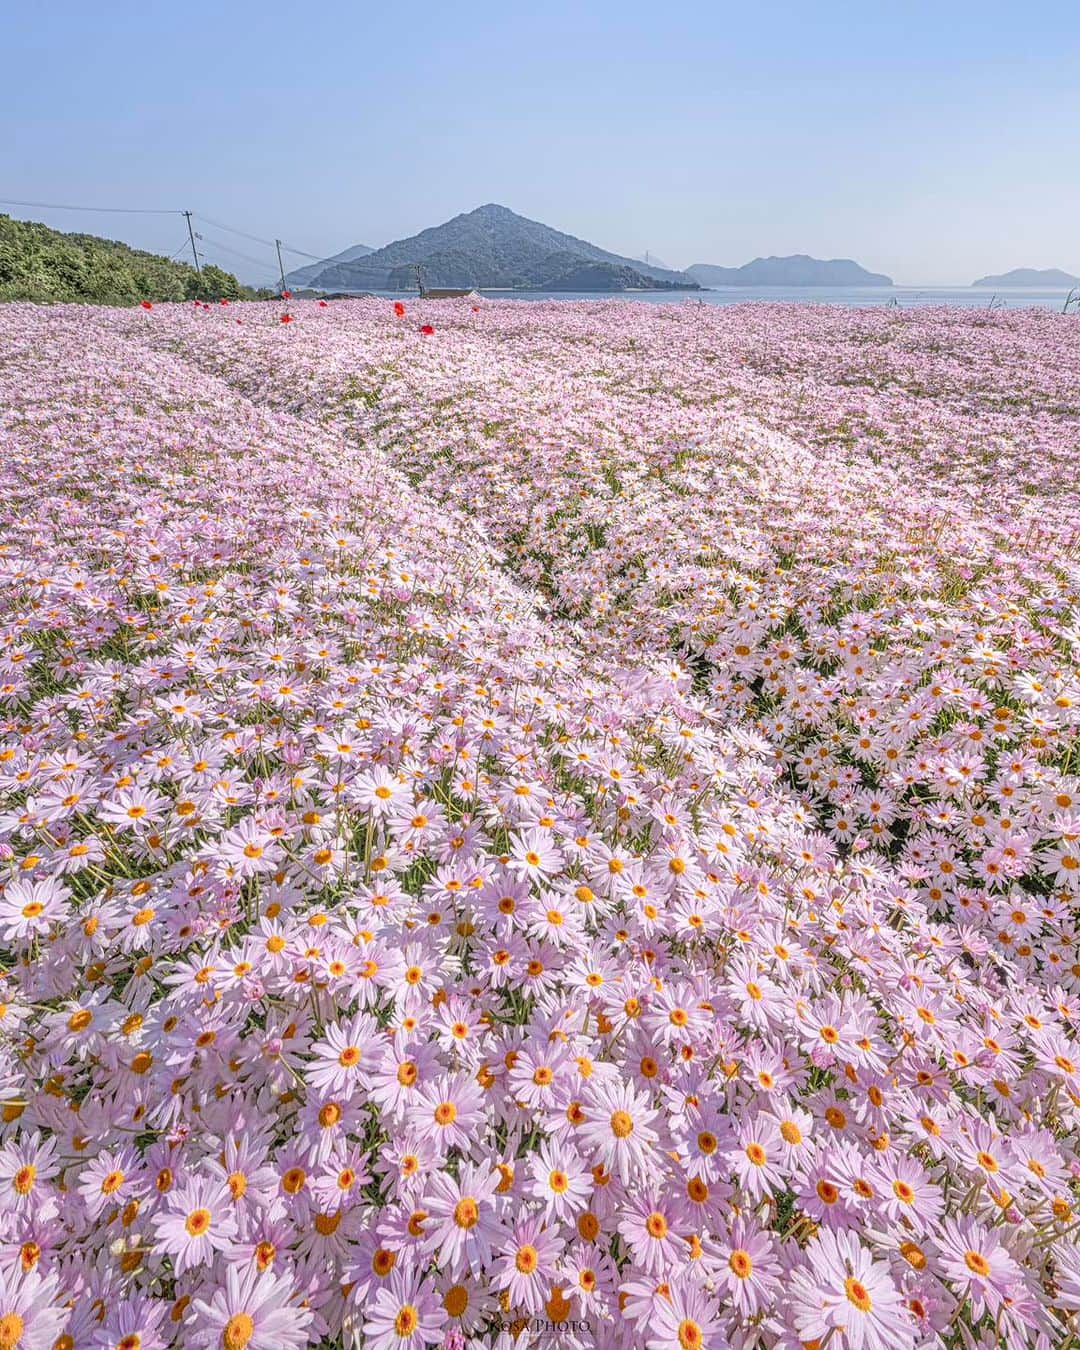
<point x="858" y="1295"/>
<point x="238" y="1331"/>
<point x="622" y="1124"/>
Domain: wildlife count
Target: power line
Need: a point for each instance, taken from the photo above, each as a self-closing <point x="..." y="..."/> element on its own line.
<point x="157" y="211"/>
<point x="299" y="252"/>
<point x="227" y="248"/>
<point x="258" y="239"/>
<point x="220" y="225"/>
<point x="112" y="210"/>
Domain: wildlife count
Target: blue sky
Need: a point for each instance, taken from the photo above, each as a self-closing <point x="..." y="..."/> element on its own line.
<point x="934" y="142"/>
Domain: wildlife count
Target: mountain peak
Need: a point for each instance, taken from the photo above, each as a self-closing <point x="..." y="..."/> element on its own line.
<point x="492" y="246"/>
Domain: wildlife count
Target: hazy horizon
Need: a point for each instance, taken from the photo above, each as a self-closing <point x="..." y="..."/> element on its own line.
<point x="933" y="146"/>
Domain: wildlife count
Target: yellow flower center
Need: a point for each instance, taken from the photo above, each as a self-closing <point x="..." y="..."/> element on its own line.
<point x="913" y="1254"/>
<point x="466" y="1212"/>
<point x="622" y="1124"/>
<point x="740" y="1263"/>
<point x="858" y="1295"/>
<point x="527" y="1259"/>
<point x="407" y="1320"/>
<point x="456" y="1300"/>
<point x="239" y="1329"/>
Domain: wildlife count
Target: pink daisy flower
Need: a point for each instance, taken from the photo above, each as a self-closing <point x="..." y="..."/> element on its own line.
<point x="256" y="1310"/>
<point x="617" y="1129"/>
<point x="686" y="1319"/>
<point x="404" y="1314"/>
<point x="977" y="1265"/>
<point x="198" y="1220"/>
<point x="462" y="1229"/>
<point x="842" y="1293"/>
<point x="30" y="1318"/>
<point x="748" y="1267"/>
<point x="527" y="1268"/>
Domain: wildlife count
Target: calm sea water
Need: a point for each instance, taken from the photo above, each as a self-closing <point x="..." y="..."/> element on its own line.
<point x="863" y="297"/>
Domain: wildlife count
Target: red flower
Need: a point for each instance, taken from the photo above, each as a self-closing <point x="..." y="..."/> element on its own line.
<point x="286" y="295"/>
<point x="322" y="304"/>
<point x="223" y="301"/>
<point x="399" y="308"/>
<point x="146" y="304"/>
<point x="476" y="309"/>
<point x="286" y="318"/>
<point x="426" y="329"/>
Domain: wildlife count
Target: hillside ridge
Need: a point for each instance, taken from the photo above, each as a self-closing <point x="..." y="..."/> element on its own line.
<point x="46" y="266"/>
<point x="494" y="247"/>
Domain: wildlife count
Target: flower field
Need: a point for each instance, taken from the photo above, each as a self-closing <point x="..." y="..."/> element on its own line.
<point x="539" y="824"/>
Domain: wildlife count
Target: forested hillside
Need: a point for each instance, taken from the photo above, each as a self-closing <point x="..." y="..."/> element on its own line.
<point x="44" y="265"/>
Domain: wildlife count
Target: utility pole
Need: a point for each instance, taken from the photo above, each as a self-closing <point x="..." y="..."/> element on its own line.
<point x="191" y="236"/>
<point x="281" y="265"/>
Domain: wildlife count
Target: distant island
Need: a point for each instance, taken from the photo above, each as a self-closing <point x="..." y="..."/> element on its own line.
<point x="1030" y="278"/>
<point x="795" y="270"/>
<point x="303" y="276"/>
<point x="496" y="249"/>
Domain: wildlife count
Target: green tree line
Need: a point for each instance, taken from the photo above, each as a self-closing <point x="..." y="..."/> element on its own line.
<point x="45" y="266"/>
